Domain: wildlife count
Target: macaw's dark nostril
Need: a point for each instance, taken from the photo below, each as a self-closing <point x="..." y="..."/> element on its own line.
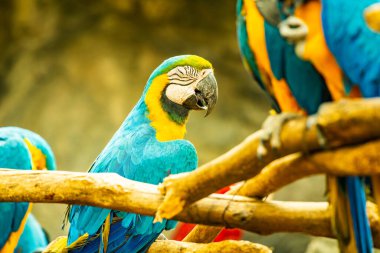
<point x="201" y="100"/>
<point x="294" y="26"/>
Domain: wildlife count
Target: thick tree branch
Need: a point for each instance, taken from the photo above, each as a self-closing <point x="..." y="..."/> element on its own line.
<point x="343" y="123"/>
<point x="203" y="234"/>
<point x="109" y="190"/>
<point x="169" y="246"/>
<point x="361" y="159"/>
<point x="216" y="247"/>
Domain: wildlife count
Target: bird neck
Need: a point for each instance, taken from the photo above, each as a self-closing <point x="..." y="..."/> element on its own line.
<point x="38" y="158"/>
<point x="168" y="119"/>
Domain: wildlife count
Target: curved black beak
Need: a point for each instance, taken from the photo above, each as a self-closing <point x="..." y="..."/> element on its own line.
<point x="205" y="95"/>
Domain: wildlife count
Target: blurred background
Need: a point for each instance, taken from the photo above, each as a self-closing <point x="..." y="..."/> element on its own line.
<point x="72" y="70"/>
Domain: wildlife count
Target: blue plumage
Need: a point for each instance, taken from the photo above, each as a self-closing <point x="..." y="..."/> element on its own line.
<point x="354" y="45"/>
<point x="357" y="50"/>
<point x="357" y="199"/>
<point x="15" y="154"/>
<point x="300" y="75"/>
<point x="136" y="153"/>
<point x="306" y="84"/>
<point x="248" y="56"/>
<point x="33" y="237"/>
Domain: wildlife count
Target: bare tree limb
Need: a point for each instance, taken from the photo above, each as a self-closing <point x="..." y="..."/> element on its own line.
<point x="357" y="160"/>
<point x="202" y="234"/>
<point x="169" y="246"/>
<point x="110" y="190"/>
<point x="359" y="119"/>
<point x="361" y="159"/>
<point x="216" y="247"/>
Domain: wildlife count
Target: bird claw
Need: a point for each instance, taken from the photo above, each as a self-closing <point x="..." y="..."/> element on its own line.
<point x="313" y="121"/>
<point x="271" y="132"/>
<point x="162" y="237"/>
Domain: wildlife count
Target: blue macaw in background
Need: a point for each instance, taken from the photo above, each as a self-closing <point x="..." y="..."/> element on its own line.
<point x="355" y="44"/>
<point x="34" y="238"/>
<point x="21" y="149"/>
<point x="274" y="64"/>
<point x="147" y="147"/>
<point x="284" y="47"/>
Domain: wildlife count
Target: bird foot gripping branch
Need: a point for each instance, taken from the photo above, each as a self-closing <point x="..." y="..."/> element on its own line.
<point x="175" y="206"/>
<point x="272" y="131"/>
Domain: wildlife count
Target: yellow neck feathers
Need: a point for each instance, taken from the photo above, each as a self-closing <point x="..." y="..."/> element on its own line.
<point x="166" y="128"/>
<point x="38" y="158"/>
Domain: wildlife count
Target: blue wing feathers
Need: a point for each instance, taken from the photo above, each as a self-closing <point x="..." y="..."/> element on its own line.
<point x="301" y="76"/>
<point x="133" y="153"/>
<point x="33" y="238"/>
<point x="248" y="57"/>
<point x="356" y="49"/>
<point x="15" y="154"/>
<point x="354" y="45"/>
<point x="12" y="214"/>
<point x="357" y="200"/>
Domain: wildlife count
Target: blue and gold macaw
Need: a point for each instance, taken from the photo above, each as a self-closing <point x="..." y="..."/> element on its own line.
<point x="34" y="238"/>
<point x="284" y="47"/>
<point x="148" y="147"/>
<point x="21" y="149"/>
<point x="354" y="40"/>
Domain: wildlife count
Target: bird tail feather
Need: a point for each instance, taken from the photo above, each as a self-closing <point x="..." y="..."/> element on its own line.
<point x="350" y="221"/>
<point x="60" y="244"/>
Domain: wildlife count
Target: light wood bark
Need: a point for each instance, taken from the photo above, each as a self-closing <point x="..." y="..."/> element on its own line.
<point x="228" y="246"/>
<point x="112" y="191"/>
<point x="362" y="159"/>
<point x="342" y="123"/>
<point x="170" y="246"/>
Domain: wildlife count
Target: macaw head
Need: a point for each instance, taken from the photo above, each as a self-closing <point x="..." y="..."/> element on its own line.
<point x="178" y="85"/>
<point x="280" y="14"/>
<point x="40" y="151"/>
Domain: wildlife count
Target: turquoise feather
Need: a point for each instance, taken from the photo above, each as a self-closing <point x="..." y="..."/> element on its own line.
<point x="306" y="84"/>
<point x="309" y="88"/>
<point x="247" y="55"/>
<point x="354" y="45"/>
<point x="357" y="50"/>
<point x="14" y="154"/>
<point x="134" y="153"/>
<point x="33" y="238"/>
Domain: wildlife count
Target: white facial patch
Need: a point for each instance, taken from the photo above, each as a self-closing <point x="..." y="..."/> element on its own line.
<point x="178" y="94"/>
<point x="183" y="81"/>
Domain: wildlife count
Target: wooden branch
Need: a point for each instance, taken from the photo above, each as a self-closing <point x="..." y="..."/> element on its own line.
<point x="359" y="119"/>
<point x="170" y="246"/>
<point x="227" y="246"/>
<point x="112" y="191"/>
<point x="202" y="234"/>
<point x="361" y="159"/>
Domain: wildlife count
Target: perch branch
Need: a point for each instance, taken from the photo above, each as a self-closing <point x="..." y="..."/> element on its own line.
<point x="358" y="160"/>
<point x="359" y="119"/>
<point x="202" y="234"/>
<point x="361" y="159"/>
<point x="169" y="246"/>
<point x="112" y="191"/>
<point x="227" y="246"/>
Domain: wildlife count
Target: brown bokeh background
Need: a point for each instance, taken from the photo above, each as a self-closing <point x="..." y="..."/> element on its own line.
<point x="72" y="70"/>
